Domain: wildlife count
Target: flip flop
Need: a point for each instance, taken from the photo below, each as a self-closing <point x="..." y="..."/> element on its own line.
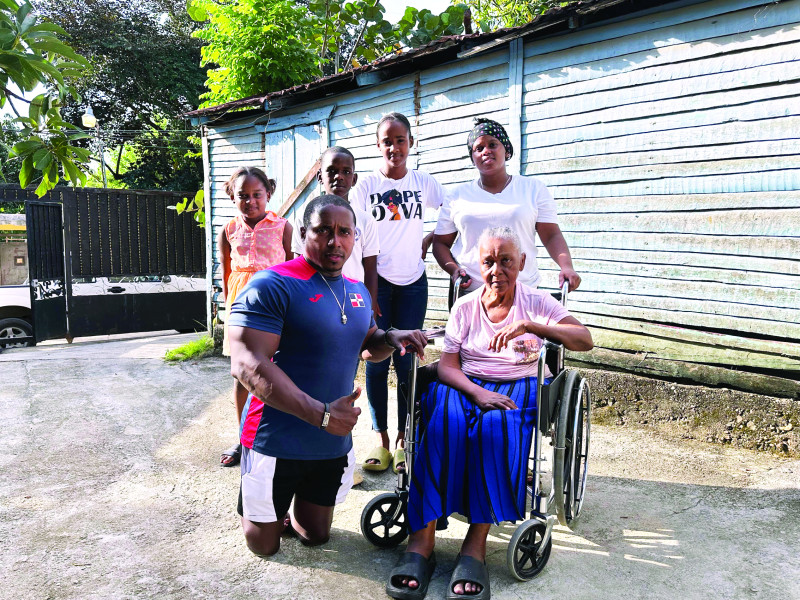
<point x="382" y="455"/>
<point x="414" y="566"/>
<point x="235" y="452"/>
<point x="399" y="457"/>
<point x="469" y="570"/>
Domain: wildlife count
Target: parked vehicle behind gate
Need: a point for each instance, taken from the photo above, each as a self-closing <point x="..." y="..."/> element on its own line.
<point x="16" y="319"/>
<point x="16" y="325"/>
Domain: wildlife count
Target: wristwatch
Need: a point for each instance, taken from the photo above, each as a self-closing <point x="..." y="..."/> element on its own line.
<point x="326" y="416"/>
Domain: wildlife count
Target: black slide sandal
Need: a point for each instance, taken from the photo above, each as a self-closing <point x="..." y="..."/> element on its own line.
<point x="235" y="452"/>
<point x="415" y="566"/>
<point x="470" y="570"/>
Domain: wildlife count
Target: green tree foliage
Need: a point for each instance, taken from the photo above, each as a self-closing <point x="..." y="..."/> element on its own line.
<point x="356" y="31"/>
<point x="144" y="72"/>
<point x="257" y="46"/>
<point x="32" y="54"/>
<point x="253" y="46"/>
<point x="494" y="14"/>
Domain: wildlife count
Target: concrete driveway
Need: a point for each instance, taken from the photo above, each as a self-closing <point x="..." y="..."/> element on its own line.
<point x="109" y="488"/>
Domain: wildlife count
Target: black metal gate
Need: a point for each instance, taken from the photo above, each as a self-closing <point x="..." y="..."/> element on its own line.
<point x="132" y="237"/>
<point x="112" y="261"/>
<point x="48" y="284"/>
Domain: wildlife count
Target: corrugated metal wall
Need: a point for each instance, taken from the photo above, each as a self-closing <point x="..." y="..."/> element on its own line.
<point x="670" y="144"/>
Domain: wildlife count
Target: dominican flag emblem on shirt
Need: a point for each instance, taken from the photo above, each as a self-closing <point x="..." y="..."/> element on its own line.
<point x="357" y="300"/>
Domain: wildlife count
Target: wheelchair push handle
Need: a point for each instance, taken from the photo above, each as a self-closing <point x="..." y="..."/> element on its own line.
<point x="561" y="295"/>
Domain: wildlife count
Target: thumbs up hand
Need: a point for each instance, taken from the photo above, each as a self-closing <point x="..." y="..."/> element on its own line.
<point x="344" y="414"/>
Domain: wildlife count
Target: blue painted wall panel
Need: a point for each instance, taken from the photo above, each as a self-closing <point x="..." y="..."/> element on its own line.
<point x="681" y="110"/>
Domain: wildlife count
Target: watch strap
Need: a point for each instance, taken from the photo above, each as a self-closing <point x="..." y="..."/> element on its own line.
<point x="326" y="416"/>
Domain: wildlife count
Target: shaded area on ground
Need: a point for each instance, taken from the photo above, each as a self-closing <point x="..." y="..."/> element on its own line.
<point x="110" y="488"/>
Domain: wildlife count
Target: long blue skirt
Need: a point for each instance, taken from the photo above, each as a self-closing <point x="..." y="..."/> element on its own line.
<point x="469" y="461"/>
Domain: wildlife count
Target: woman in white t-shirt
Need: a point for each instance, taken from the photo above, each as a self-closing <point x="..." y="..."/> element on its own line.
<point x="397" y="197"/>
<point x="498" y="199"/>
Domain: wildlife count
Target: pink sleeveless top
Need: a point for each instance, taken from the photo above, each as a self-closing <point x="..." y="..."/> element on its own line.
<point x="256" y="248"/>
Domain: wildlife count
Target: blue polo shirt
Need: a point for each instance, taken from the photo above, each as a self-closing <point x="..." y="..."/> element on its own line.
<point x="318" y="353"/>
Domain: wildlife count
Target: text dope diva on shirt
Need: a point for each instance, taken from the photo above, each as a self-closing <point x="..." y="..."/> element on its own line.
<point x="396" y="206"/>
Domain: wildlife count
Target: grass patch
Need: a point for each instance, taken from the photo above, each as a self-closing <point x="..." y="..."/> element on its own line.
<point x="199" y="348"/>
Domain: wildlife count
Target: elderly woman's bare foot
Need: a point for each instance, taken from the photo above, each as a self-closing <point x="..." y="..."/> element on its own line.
<point x="470" y="577"/>
<point x="467" y="588"/>
<point x="411" y="575"/>
<point x="421" y="542"/>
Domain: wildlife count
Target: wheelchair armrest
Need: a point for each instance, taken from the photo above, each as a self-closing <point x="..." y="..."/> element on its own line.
<point x="548" y="403"/>
<point x="551" y="358"/>
<point x="426" y="374"/>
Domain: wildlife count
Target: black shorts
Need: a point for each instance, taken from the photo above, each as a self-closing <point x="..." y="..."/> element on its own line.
<point x="269" y="484"/>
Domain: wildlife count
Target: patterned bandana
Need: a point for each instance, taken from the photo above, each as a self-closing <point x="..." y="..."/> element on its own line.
<point x="492" y="128"/>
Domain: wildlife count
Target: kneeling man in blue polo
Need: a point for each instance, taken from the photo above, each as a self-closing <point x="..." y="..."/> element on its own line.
<point x="297" y="331"/>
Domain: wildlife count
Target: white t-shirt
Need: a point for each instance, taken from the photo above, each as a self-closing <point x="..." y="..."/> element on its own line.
<point x="398" y="206"/>
<point x="469" y="331"/>
<point x="365" y="243"/>
<point x="469" y="210"/>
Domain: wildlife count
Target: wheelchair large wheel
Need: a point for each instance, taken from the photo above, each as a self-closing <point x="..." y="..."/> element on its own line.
<point x="572" y="449"/>
<point x="383" y="520"/>
<point x="525" y="555"/>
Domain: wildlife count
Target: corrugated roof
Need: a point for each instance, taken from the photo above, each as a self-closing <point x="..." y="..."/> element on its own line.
<point x="444" y="49"/>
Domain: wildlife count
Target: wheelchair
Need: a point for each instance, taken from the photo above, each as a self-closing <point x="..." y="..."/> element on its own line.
<point x="563" y="416"/>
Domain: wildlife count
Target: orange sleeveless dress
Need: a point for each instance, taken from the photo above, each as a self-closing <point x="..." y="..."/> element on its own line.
<point x="253" y="249"/>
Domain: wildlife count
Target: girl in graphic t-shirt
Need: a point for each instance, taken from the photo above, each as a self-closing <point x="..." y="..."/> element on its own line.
<point x="255" y="239"/>
<point x="397" y="197"/>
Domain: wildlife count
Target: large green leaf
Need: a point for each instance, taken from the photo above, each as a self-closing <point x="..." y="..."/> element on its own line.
<point x="23" y="11"/>
<point x="26" y="172"/>
<point x="26" y="147"/>
<point x="56" y="47"/>
<point x="7" y="39"/>
<point x="44" y="162"/>
<point x="197" y="11"/>
<point x="47" y="27"/>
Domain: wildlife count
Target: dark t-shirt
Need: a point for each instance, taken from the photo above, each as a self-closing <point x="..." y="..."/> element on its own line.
<point x="318" y="353"/>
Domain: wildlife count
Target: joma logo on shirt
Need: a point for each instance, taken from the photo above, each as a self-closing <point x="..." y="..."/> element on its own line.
<point x="396" y="206"/>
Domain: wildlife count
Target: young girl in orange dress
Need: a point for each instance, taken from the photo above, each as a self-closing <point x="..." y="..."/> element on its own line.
<point x="254" y="240"/>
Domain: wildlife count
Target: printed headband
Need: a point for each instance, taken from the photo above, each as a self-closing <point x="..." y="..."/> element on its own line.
<point x="492" y="128"/>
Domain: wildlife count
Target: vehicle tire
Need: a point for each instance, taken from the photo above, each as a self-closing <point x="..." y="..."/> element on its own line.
<point x="383" y="521"/>
<point x="15" y="328"/>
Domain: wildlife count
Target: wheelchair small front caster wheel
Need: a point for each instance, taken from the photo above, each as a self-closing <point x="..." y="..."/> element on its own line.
<point x="525" y="556"/>
<point x="384" y="522"/>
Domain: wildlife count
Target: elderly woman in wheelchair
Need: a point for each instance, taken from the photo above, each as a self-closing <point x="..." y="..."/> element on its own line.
<point x="478" y="420"/>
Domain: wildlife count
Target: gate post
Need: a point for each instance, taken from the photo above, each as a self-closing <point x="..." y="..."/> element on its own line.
<point x="70" y="219"/>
